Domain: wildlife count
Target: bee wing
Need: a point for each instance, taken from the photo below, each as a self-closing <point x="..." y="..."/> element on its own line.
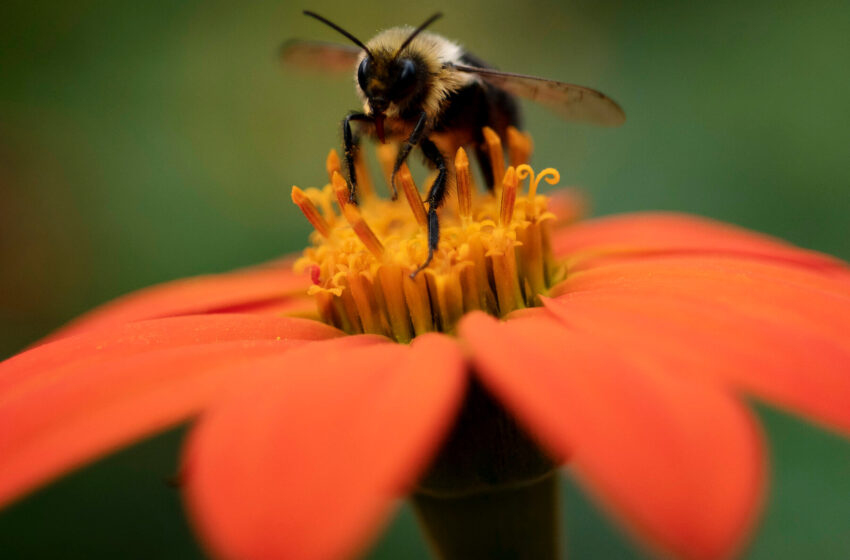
<point x="574" y="103"/>
<point x="318" y="55"/>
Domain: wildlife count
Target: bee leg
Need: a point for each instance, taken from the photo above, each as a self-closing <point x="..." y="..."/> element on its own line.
<point x="412" y="140"/>
<point x="351" y="144"/>
<point x="436" y="196"/>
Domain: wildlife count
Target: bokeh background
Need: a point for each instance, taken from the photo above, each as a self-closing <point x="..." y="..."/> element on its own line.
<point x="146" y="141"/>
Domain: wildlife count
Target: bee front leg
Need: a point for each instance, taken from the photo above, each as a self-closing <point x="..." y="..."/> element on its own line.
<point x="412" y="140"/>
<point x="436" y="196"/>
<point x="350" y="145"/>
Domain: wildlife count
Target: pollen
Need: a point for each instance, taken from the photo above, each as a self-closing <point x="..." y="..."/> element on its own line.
<point x="494" y="252"/>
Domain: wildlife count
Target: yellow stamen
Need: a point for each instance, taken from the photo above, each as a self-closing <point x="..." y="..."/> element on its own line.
<point x="340" y="187"/>
<point x="472" y="299"/>
<point x="364" y="178"/>
<point x="363" y="231"/>
<point x="509" y="187"/>
<point x="464" y="194"/>
<point x="494" y="253"/>
<point x="418" y="302"/>
<point x="347" y="309"/>
<point x="310" y="212"/>
<point x="519" y="147"/>
<point x="532" y="261"/>
<point x="449" y="298"/>
<point x="332" y="164"/>
<point x="391" y="278"/>
<point x="497" y="157"/>
<point x="481" y="266"/>
<point x="355" y="218"/>
<point x="550" y="174"/>
<point x="503" y="257"/>
<point x="411" y="193"/>
<point x="366" y="301"/>
<point x="324" y="198"/>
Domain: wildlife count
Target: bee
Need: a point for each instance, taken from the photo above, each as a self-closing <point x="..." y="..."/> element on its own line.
<point x="425" y="91"/>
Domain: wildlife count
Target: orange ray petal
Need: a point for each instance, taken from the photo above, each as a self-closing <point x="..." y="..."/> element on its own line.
<point x="306" y="462"/>
<point x="232" y="292"/>
<point x="678" y="460"/>
<point x="630" y="235"/>
<point x="776" y="331"/>
<point x="67" y="402"/>
<point x="107" y="343"/>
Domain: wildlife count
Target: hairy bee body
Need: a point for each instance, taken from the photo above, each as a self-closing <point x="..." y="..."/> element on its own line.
<point x="457" y="105"/>
<point x="452" y="99"/>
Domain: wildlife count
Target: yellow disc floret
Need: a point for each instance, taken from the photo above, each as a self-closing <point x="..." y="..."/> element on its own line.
<point x="494" y="251"/>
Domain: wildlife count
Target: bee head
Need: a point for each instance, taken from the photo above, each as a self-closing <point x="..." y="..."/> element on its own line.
<point x="387" y="76"/>
<point x="390" y="79"/>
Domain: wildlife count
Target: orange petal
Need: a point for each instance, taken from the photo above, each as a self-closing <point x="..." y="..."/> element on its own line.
<point x="306" y="462"/>
<point x="776" y="331"/>
<point x="630" y="235"/>
<point x="234" y="292"/>
<point x="107" y="343"/>
<point x="67" y="402"/>
<point x="678" y="460"/>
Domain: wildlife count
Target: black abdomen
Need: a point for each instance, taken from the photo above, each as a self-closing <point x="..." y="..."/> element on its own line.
<point x="470" y="109"/>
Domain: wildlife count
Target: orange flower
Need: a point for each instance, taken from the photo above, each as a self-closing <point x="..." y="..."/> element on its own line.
<point x="625" y="347"/>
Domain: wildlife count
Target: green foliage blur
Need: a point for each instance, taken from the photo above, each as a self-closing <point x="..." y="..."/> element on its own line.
<point x="146" y="141"/>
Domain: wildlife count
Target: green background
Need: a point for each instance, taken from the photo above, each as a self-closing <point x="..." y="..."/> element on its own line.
<point x="146" y="141"/>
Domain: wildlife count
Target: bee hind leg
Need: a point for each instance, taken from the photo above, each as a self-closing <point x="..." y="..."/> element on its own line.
<point x="351" y="144"/>
<point x="436" y="196"/>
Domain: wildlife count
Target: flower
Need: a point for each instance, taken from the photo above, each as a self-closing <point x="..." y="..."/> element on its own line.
<point x="622" y="346"/>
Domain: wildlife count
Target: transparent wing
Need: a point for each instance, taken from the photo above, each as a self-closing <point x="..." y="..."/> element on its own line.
<point x="574" y="103"/>
<point x="319" y="56"/>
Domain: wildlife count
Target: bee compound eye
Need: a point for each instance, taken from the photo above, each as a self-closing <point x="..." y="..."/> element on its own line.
<point x="363" y="73"/>
<point x="408" y="70"/>
<point x="406" y="76"/>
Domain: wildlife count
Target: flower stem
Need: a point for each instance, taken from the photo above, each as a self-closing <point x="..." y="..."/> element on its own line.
<point x="511" y="523"/>
<point x="491" y="492"/>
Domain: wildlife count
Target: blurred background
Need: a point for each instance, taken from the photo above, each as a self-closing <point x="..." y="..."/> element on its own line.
<point x="146" y="141"/>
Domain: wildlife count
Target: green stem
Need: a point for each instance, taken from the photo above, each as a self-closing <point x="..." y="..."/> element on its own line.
<point x="491" y="492"/>
<point x="511" y="523"/>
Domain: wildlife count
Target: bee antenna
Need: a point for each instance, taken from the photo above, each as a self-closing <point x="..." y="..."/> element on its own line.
<point x="334" y="26"/>
<point x="418" y="30"/>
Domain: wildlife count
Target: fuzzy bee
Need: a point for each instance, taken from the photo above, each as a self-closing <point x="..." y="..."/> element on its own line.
<point x="426" y="91"/>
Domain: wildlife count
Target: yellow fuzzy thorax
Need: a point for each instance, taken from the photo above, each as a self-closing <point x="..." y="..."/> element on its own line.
<point x="494" y="252"/>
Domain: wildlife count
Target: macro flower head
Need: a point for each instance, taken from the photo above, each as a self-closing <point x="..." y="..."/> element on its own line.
<point x="622" y="347"/>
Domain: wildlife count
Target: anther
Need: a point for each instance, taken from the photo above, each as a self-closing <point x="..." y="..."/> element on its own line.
<point x="464" y="194"/>
<point x="509" y="188"/>
<point x="310" y="211"/>
<point x="340" y="188"/>
<point x="411" y="193"/>
<point x="497" y="158"/>
<point x="332" y="164"/>
<point x="519" y="147"/>
<point x="355" y="219"/>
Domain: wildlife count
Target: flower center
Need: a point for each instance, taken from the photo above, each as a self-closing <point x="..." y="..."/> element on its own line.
<point x="494" y="252"/>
